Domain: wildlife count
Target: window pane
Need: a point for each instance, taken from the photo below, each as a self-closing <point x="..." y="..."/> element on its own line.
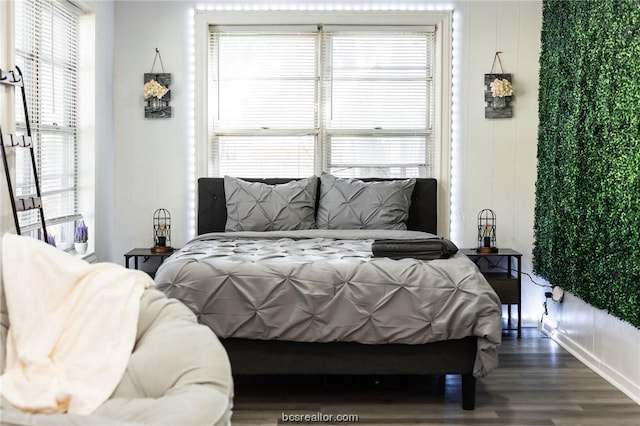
<point x="272" y="104"/>
<point x="47" y="34"/>
<point x="379" y="172"/>
<point x="380" y="83"/>
<point x="385" y="104"/>
<point x="389" y="150"/>
<point x="378" y="156"/>
<point x="378" y="79"/>
<point x="264" y="80"/>
<point x="62" y="233"/>
<point x="57" y="176"/>
<point x="265" y="156"/>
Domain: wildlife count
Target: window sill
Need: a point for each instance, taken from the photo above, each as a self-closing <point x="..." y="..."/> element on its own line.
<point x="88" y="256"/>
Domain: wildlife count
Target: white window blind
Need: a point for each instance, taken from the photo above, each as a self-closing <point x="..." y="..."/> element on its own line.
<point x="47" y="33"/>
<point x="377" y="92"/>
<point x="263" y="104"/>
<point x="354" y="101"/>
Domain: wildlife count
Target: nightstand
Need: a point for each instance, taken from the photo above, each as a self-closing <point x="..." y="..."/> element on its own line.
<point x="506" y="283"/>
<point x="145" y="254"/>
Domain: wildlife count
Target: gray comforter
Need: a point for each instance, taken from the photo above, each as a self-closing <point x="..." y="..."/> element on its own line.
<point x="325" y="286"/>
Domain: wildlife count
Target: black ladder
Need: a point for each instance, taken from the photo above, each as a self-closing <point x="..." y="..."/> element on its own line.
<point x="26" y="202"/>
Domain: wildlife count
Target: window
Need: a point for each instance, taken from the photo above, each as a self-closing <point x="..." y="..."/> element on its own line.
<point x="292" y="101"/>
<point x="263" y="103"/>
<point x="47" y="39"/>
<point x="377" y="100"/>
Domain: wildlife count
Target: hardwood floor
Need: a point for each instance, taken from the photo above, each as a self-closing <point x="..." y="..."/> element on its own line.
<point x="537" y="383"/>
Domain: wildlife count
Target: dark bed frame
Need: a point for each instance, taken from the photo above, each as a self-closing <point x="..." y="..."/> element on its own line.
<point x="270" y="357"/>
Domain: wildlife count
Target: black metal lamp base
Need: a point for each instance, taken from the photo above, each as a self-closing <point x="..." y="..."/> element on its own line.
<point x="487" y="250"/>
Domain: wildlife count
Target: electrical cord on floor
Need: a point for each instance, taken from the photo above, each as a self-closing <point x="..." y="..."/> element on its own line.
<point x="493" y="265"/>
<point x="540" y="323"/>
<point x="547" y="294"/>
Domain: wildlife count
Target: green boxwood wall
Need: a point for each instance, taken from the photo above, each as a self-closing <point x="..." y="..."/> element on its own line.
<point x="587" y="217"/>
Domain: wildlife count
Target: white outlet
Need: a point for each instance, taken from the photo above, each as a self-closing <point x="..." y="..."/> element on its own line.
<point x="557" y="294"/>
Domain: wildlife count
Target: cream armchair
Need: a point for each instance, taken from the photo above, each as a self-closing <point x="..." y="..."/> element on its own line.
<point x="178" y="373"/>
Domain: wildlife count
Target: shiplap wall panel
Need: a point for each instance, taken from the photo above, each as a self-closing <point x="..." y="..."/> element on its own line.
<point x="479" y="149"/>
<point x="504" y="149"/>
<point x="507" y="32"/>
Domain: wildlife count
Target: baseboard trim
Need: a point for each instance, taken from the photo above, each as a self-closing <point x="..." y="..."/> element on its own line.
<point x="605" y="371"/>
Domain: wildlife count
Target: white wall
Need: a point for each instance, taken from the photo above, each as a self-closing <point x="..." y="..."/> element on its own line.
<point x="499" y="156"/>
<point x="104" y="146"/>
<point x="607" y="345"/>
<point x="151" y="155"/>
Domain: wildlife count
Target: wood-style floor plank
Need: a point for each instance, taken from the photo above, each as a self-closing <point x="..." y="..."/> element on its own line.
<point x="537" y="383"/>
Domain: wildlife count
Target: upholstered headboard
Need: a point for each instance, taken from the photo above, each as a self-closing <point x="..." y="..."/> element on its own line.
<point x="212" y="209"/>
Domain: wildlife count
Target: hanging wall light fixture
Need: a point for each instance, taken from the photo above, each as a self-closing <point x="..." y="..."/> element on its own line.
<point x="157" y="94"/>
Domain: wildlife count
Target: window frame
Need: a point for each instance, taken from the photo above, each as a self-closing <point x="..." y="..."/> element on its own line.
<point x="441" y="19"/>
<point x="85" y="124"/>
<point x="263" y="129"/>
<point x="332" y="130"/>
<point x="322" y="100"/>
<point x="35" y="63"/>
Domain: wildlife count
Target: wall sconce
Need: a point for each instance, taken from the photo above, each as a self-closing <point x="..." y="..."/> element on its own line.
<point x="486" y="232"/>
<point x="161" y="231"/>
<point x="498" y="91"/>
<point x="156" y="92"/>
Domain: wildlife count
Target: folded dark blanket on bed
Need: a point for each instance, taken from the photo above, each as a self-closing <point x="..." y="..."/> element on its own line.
<point x="424" y="248"/>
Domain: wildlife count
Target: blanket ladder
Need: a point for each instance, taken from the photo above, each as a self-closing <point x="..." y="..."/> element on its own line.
<point x="21" y="203"/>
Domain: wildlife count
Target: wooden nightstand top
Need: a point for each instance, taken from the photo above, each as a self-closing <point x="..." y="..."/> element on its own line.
<point x="500" y="252"/>
<point x="148" y="252"/>
<point x="145" y="254"/>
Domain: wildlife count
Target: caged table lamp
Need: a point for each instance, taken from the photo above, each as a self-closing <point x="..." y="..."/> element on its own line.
<point x="487" y="232"/>
<point x="161" y="231"/>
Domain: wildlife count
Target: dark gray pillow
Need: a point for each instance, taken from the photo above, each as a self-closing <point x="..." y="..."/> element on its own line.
<point x="355" y="204"/>
<point x="257" y="206"/>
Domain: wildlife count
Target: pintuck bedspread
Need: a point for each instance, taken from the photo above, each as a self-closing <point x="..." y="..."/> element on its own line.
<point x="325" y="286"/>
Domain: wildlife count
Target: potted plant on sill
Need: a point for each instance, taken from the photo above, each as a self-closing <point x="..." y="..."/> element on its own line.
<point x="80" y="237"/>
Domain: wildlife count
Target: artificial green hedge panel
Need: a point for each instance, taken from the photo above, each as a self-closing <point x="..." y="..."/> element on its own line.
<point x="587" y="214"/>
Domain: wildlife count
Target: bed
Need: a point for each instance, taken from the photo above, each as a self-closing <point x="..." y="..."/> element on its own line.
<point x="321" y="301"/>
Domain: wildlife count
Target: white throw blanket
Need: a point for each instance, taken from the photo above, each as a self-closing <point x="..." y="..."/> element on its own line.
<point x="72" y="327"/>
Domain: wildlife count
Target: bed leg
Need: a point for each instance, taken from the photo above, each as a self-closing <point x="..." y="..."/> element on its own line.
<point x="468" y="391"/>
